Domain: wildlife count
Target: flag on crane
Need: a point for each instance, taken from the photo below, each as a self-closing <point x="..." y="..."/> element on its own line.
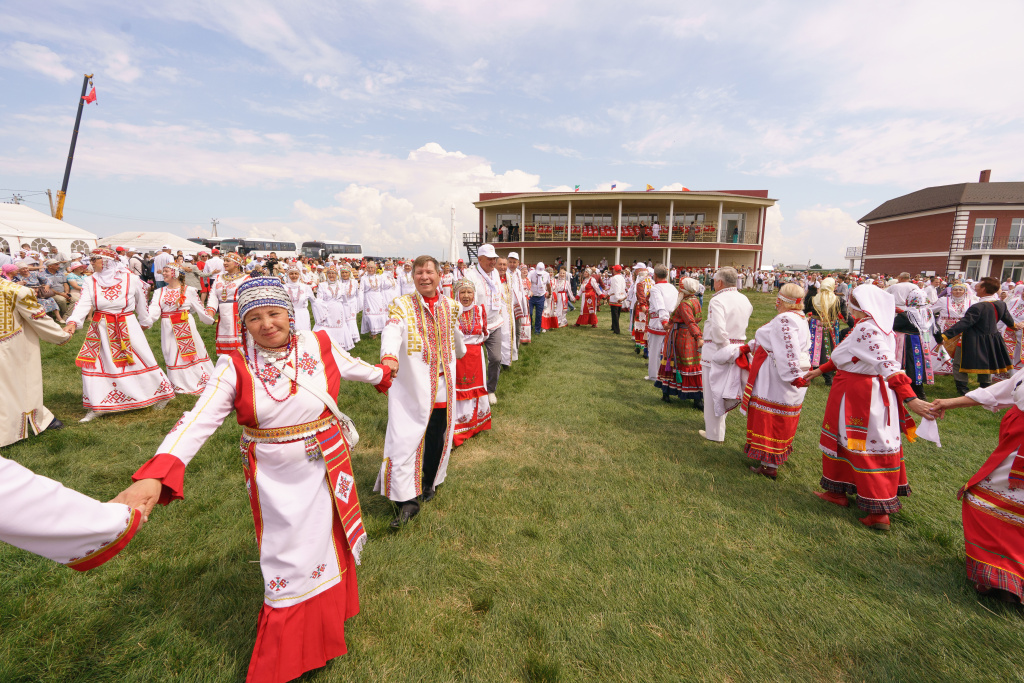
<point x="91" y="97"/>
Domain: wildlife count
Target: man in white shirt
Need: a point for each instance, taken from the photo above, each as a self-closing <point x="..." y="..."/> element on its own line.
<point x="932" y="289"/>
<point x="901" y="289"/>
<point x="728" y="314"/>
<point x="215" y="265"/>
<point x="490" y="294"/>
<point x="515" y="284"/>
<point x="159" y="261"/>
<point x="662" y="301"/>
<point x="538" y="278"/>
<point x="616" y="295"/>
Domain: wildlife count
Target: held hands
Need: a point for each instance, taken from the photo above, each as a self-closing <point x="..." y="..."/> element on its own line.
<point x="392" y="365"/>
<point x="816" y="372"/>
<point x="70" y="328"/>
<point x="142" y="495"/>
<point x="924" y="409"/>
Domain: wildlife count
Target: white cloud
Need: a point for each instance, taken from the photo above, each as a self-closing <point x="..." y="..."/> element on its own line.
<point x="555" y="149"/>
<point x="817" y="235"/>
<point x="38" y="58"/>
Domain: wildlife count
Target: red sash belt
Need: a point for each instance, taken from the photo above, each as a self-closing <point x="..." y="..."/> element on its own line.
<point x="182" y="332"/>
<point x="118" y="339"/>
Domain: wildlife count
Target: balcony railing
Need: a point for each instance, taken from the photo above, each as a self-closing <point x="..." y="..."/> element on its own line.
<point x="707" y="232"/>
<point x="1009" y="243"/>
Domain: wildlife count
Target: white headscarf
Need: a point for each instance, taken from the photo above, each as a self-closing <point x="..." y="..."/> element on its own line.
<point x="920" y="313"/>
<point x="690" y="286"/>
<point x="877" y="303"/>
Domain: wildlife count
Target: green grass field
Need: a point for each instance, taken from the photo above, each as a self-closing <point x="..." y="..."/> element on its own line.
<point x="591" y="535"/>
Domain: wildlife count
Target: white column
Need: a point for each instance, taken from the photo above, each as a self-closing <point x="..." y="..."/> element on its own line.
<point x="618" y="255"/>
<point x="568" y="259"/>
<point x="522" y="224"/>
<point x="671" y="219"/>
<point x="721" y="208"/>
<point x="664" y="256"/>
<point x="983" y="267"/>
<point x="668" y="256"/>
<point x="716" y="258"/>
<point x="619" y="225"/>
<point x="568" y="227"/>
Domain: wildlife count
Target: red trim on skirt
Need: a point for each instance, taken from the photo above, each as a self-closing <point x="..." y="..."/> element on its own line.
<point x="995" y="549"/>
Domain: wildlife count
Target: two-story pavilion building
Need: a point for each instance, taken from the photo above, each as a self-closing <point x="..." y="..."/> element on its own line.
<point x="684" y="228"/>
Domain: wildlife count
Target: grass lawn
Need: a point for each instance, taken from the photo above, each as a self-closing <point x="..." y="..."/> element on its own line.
<point x="591" y="535"/>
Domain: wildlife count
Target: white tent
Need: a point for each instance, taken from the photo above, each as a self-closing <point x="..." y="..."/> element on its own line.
<point x="152" y="242"/>
<point x="20" y="224"/>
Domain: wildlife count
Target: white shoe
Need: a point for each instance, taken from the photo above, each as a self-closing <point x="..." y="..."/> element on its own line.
<point x="493" y="399"/>
<point x="90" y="416"/>
<point x="162" y="404"/>
<point x="705" y="435"/>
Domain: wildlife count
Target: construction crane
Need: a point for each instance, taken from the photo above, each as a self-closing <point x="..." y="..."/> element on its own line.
<point x="62" y="194"/>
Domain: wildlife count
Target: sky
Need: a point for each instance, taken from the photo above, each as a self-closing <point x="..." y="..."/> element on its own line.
<point x="365" y="121"/>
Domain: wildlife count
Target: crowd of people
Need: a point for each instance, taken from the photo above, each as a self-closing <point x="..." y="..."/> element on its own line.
<point x="284" y="330"/>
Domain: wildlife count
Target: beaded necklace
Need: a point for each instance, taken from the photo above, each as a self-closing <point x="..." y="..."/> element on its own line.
<point x="293" y="343"/>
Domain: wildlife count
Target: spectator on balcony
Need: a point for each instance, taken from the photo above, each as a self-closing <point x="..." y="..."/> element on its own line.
<point x="656" y="230"/>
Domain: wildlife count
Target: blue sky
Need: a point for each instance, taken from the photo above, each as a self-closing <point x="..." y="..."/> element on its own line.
<point x="365" y="120"/>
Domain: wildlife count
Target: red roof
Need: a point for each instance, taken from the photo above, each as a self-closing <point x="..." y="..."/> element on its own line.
<point x="486" y="196"/>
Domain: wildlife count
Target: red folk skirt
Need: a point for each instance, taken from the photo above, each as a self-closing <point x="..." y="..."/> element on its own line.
<point x="771" y="426"/>
<point x="588" y="311"/>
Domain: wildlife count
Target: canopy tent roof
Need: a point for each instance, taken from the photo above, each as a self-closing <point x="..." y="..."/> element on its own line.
<point x="152" y="242"/>
<point x="25" y="223"/>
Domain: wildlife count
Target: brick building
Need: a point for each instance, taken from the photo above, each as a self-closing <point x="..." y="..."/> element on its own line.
<point x="971" y="229"/>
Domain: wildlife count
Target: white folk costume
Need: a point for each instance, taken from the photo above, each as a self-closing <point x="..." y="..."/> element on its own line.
<point x="862" y="451"/>
<point x="525" y="325"/>
<point x="472" y="406"/>
<point x="43" y="517"/>
<point x="23" y="322"/>
<point x="298" y="478"/>
<point x="424" y="338"/>
<point x="330" y="308"/>
<point x="406" y="285"/>
<point x="222" y="303"/>
<point x="301" y="295"/>
<point x="562" y="295"/>
<point x="509" y="349"/>
<point x="726" y="325"/>
<point x="947" y="312"/>
<point x="549" y="318"/>
<point x="119" y="371"/>
<point x="771" y="400"/>
<point x="662" y="302"/>
<point x="188" y="365"/>
<point x="375" y="290"/>
<point x="447" y="280"/>
<point x="1011" y="336"/>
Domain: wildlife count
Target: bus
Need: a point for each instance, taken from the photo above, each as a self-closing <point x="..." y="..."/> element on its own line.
<point x="208" y="242"/>
<point x="324" y="250"/>
<point x="258" y="247"/>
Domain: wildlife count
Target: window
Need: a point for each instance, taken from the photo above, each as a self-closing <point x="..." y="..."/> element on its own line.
<point x="1016" y="234"/>
<point x="594" y="219"/>
<point x="638" y="218"/>
<point x="547" y="219"/>
<point x="80" y="246"/>
<point x="972" y="268"/>
<point x="38" y="244"/>
<point x="984" y="231"/>
<point x="688" y="218"/>
<point x="1013" y="270"/>
<point x="732" y="227"/>
<point x="4" y="247"/>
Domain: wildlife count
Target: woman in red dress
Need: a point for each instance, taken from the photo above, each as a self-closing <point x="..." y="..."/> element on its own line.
<point x="591" y="291"/>
<point x="472" y="407"/>
<point x="679" y="372"/>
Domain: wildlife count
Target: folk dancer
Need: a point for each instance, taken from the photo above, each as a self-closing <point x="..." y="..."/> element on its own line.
<point x="420" y="343"/>
<point x="993" y="499"/>
<point x="330" y="308"/>
<point x="728" y="314"/>
<point x="447" y="281"/>
<point x="301" y="295"/>
<point x="119" y="371"/>
<point x="592" y="290"/>
<point x="638" y="320"/>
<point x="616" y="296"/>
<point x="188" y="365"/>
<point x="520" y="298"/>
<point x="525" y="325"/>
<point x="509" y="349"/>
<point x="982" y="351"/>
<point x="562" y="293"/>
<point x="1011" y="336"/>
<point x="947" y="311"/>
<point x="352" y="295"/>
<point x="375" y="289"/>
<point x="404" y="278"/>
<point x="862" y="451"/>
<point x="221" y="303"/>
<point x="549" y="320"/>
<point x="472" y="407"/>
<point x="283" y="388"/>
<point x="491" y="294"/>
<point x="23" y="322"/>
<point x="824" y="312"/>
<point x="679" y="373"/>
<point x="775" y="388"/>
<point x="663" y="299"/>
<point x="912" y="328"/>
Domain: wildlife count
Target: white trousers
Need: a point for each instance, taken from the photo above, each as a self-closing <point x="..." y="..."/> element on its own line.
<point x="714" y="426"/>
<point x="655" y="342"/>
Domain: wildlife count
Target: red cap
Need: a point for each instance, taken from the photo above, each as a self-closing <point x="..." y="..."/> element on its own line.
<point x="216" y="251"/>
<point x="120" y="249"/>
<point x="617" y="268"/>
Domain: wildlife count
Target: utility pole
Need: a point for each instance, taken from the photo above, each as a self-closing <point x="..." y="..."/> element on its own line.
<point x="17" y="199"/>
<point x="213" y="232"/>
<point x="49" y="195"/>
<point x="59" y="214"/>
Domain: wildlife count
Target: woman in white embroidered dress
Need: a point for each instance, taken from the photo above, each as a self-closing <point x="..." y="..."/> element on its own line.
<point x="375" y="289"/>
<point x="775" y="387"/>
<point x="301" y="294"/>
<point x="331" y="310"/>
<point x="472" y="407"/>
<point x="447" y="280"/>
<point x="188" y="365"/>
<point x="563" y="295"/>
<point x="525" y="324"/>
<point x="221" y="303"/>
<point x="298" y="477"/>
<point x="119" y="371"/>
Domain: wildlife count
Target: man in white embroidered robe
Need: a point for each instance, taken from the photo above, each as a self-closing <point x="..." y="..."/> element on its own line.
<point x="491" y="294"/>
<point x="662" y="300"/>
<point x="728" y="314"/>
<point x="420" y="343"/>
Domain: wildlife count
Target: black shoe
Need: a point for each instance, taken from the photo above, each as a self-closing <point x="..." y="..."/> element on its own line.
<point x="429" y="494"/>
<point x="55" y="424"/>
<point x="408" y="511"/>
<point x="698" y="404"/>
<point x="828" y="381"/>
<point x="666" y="398"/>
<point x="961" y="388"/>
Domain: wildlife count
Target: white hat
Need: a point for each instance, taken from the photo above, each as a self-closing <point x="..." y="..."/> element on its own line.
<point x="540" y="265"/>
<point x="488" y="251"/>
<point x="166" y="246"/>
<point x="187" y="257"/>
<point x="514" y="254"/>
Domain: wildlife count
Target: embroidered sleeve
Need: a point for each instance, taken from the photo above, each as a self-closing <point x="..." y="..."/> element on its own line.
<point x="42" y="325"/>
<point x="785" y="348"/>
